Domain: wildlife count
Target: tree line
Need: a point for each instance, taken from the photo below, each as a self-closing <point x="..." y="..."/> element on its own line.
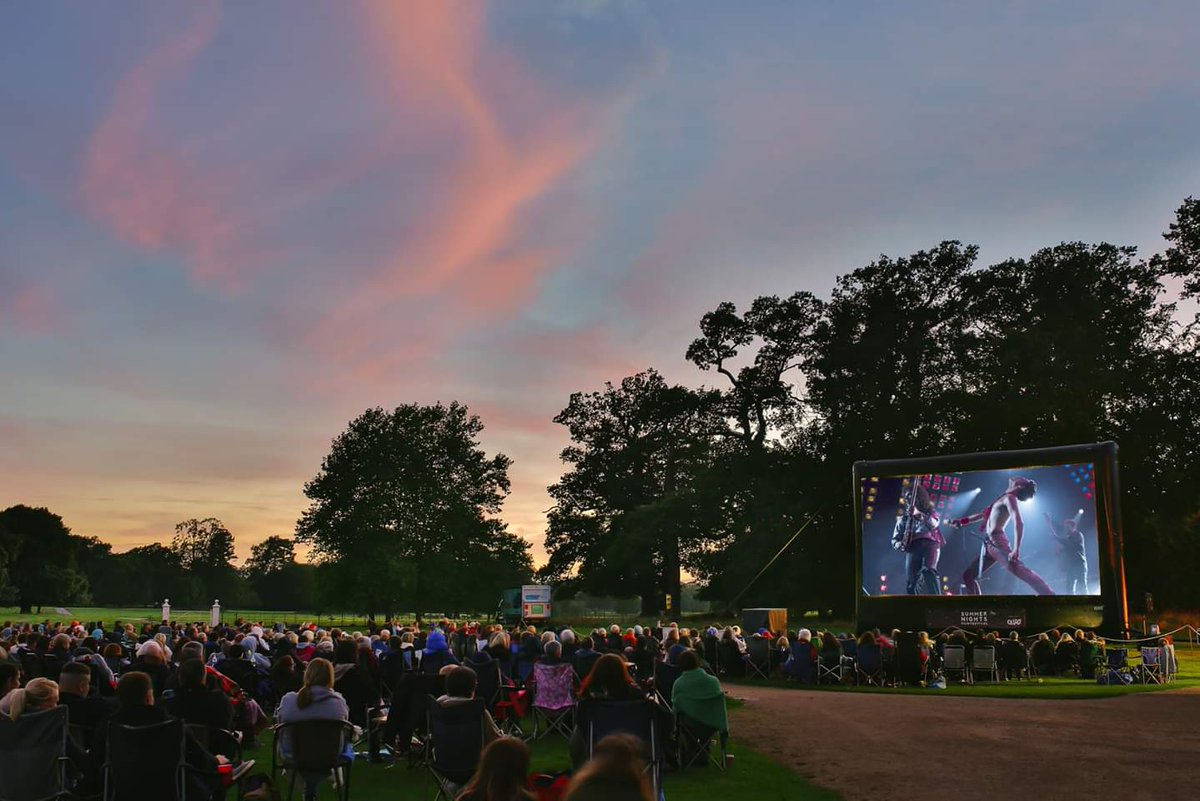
<point x="916" y="355"/>
<point x="403" y="517"/>
<point x="923" y="354"/>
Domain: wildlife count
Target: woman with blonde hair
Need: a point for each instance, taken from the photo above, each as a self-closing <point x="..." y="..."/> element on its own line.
<point x="315" y="700"/>
<point x="37" y="696"/>
<point x="161" y="639"/>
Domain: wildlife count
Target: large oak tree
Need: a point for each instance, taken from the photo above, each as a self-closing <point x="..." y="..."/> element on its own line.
<point x="403" y="513"/>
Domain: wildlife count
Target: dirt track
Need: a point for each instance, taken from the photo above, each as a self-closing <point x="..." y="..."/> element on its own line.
<point x="863" y="746"/>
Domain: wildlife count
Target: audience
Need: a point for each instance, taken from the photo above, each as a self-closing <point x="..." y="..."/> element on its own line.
<point x="215" y="676"/>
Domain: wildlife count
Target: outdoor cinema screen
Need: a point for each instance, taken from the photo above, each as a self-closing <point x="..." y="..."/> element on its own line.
<point x="1003" y="532"/>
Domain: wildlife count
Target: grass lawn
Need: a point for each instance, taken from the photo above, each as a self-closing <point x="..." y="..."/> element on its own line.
<point x="751" y="778"/>
<point x="153" y="614"/>
<point x="1050" y="688"/>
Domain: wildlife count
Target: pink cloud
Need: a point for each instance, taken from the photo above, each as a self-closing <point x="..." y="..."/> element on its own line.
<point x="147" y="193"/>
<point x="465" y="251"/>
<point x="151" y="193"/>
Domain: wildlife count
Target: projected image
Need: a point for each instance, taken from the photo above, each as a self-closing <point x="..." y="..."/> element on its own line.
<point x="1025" y="531"/>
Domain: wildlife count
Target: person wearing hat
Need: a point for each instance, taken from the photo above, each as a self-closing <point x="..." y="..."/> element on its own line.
<point x="436" y="653"/>
<point x="250" y="645"/>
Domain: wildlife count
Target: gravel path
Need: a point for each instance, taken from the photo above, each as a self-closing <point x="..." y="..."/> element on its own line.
<point x="870" y="746"/>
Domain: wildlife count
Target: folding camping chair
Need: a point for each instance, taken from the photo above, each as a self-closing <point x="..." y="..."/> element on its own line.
<point x="627" y="717"/>
<point x="802" y="664"/>
<point x="870" y="665"/>
<point x="730" y="661"/>
<point x="954" y="660"/>
<point x="983" y="658"/>
<point x="409" y="713"/>
<point x="145" y="762"/>
<point x="314" y="747"/>
<point x="219" y="741"/>
<point x="583" y="665"/>
<point x="758" y="657"/>
<point x="694" y="740"/>
<point x="665" y="675"/>
<point x="455" y="745"/>
<point x="366" y="711"/>
<point x="1117" y="659"/>
<point x="710" y="651"/>
<point x="487" y="682"/>
<point x="33" y="755"/>
<point x="553" y="699"/>
<point x="1152" y="670"/>
<point x="908" y="664"/>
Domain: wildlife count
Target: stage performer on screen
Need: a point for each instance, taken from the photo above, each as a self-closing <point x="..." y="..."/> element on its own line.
<point x="1071" y="553"/>
<point x="918" y="535"/>
<point x="996" y="547"/>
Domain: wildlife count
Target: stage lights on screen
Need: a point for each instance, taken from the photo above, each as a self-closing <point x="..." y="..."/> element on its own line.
<point x="1084" y="477"/>
<point x="941" y="489"/>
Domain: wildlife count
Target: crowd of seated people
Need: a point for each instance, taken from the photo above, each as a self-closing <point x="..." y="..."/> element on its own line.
<point x="244" y="676"/>
<point x="796" y="655"/>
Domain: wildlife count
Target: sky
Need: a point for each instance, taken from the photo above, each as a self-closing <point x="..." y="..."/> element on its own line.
<point x="226" y="229"/>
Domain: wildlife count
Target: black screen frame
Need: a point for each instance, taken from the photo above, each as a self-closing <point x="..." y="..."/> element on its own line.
<point x="1108" y="612"/>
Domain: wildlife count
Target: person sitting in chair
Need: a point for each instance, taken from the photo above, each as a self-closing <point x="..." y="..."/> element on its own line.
<point x="460" y="689"/>
<point x="316" y="700"/>
<point x="436" y="653"/>
<point x="195" y="703"/>
<point x="697" y="694"/>
<point x="135" y="707"/>
<point x="84" y="710"/>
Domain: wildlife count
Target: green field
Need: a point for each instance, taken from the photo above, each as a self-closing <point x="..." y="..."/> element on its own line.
<point x="153" y="614"/>
<point x="752" y="777"/>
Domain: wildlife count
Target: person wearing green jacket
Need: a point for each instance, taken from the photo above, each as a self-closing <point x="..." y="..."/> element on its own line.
<point x="697" y="695"/>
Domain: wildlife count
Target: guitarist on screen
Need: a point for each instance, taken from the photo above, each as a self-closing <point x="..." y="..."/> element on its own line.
<point x="919" y="538"/>
<point x="996" y="547"/>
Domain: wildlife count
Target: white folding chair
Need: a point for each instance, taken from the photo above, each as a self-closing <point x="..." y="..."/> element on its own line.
<point x="954" y="660"/>
<point x="983" y="658"/>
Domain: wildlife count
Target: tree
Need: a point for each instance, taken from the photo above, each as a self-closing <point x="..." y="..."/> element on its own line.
<point x="205" y="551"/>
<point x="154" y="572"/>
<point x="277" y="579"/>
<point x="41" y="553"/>
<point x="754" y="496"/>
<point x="272" y="555"/>
<point x="203" y="545"/>
<point x="8" y="552"/>
<point x="403" y="510"/>
<point x="759" y="394"/>
<point x="1181" y="259"/>
<point x="626" y="513"/>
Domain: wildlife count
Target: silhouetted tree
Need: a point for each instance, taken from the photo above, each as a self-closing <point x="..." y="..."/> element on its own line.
<point x="403" y="510"/>
<point x="42" y="567"/>
<point x="625" y="512"/>
<point x="279" y="582"/>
